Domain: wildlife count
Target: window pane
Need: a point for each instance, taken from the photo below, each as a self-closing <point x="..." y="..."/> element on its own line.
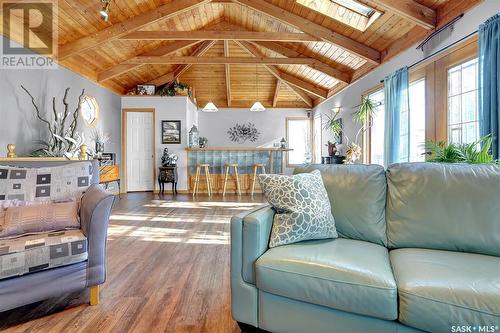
<point x="378" y="129"/>
<point x="317" y="138"/>
<point x="298" y="140"/>
<point x="417" y="121"/>
<point x="462" y="103"/>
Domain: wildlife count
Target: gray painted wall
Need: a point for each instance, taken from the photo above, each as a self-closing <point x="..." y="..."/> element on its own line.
<point x="270" y="124"/>
<point x="351" y="96"/>
<point x="18" y="122"/>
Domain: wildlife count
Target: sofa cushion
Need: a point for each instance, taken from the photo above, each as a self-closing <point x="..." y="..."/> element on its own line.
<point x="28" y="254"/>
<point x="357" y="196"/>
<point x="45" y="184"/>
<point x="444" y="206"/>
<point x="440" y="289"/>
<point x="343" y="274"/>
<point x="303" y="210"/>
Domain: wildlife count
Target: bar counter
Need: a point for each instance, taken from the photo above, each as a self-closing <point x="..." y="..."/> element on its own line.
<point x="272" y="158"/>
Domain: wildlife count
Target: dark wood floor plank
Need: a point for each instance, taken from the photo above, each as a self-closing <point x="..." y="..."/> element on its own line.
<point x="168" y="271"/>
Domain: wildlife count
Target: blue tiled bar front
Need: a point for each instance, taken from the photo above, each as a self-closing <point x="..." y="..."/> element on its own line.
<point x="272" y="158"/>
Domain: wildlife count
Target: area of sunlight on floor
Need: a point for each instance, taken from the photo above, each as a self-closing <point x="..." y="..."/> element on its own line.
<point x="168" y="221"/>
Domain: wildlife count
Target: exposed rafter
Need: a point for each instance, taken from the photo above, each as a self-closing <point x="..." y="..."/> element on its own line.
<point x="299" y="90"/>
<point x="129" y="65"/>
<point x="227" y="74"/>
<point x="313" y="29"/>
<point x="172" y="76"/>
<point x="118" y="30"/>
<point x="411" y="10"/>
<point x="343" y="74"/>
<point x="276" y="93"/>
<point x="222" y="60"/>
<point x="220" y="35"/>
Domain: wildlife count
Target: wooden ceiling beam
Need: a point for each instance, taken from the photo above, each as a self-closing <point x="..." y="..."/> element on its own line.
<point x="411" y="10"/>
<point x="220" y="35"/>
<point x="343" y="74"/>
<point x="128" y="65"/>
<point x="227" y="74"/>
<point x="299" y="91"/>
<point x="313" y="29"/>
<point x="276" y="93"/>
<point x="121" y="29"/>
<point x="174" y="75"/>
<point x="196" y="60"/>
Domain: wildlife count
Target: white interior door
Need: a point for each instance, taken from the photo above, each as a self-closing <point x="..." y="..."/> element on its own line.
<point x="140" y="151"/>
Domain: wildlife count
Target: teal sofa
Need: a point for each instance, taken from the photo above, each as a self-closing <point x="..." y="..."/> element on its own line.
<point x="419" y="250"/>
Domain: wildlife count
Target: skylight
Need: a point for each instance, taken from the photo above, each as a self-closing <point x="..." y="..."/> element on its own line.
<point x="350" y="12"/>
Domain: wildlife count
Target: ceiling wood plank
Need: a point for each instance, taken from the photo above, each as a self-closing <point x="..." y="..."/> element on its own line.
<point x="341" y="75"/>
<point x="411" y="10"/>
<point x="276" y="93"/>
<point x="174" y="75"/>
<point x="220" y="35"/>
<point x="127" y="66"/>
<point x="228" y="74"/>
<point x="222" y="60"/>
<point x="118" y="30"/>
<point x="299" y="91"/>
<point x="313" y="29"/>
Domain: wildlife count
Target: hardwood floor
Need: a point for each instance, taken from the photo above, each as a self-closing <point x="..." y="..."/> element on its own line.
<point x="168" y="271"/>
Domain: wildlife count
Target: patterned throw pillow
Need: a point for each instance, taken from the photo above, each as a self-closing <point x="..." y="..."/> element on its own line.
<point x="40" y="218"/>
<point x="45" y="184"/>
<point x="302" y="206"/>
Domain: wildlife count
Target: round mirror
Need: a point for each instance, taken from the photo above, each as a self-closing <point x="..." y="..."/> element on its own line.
<point x="89" y="110"/>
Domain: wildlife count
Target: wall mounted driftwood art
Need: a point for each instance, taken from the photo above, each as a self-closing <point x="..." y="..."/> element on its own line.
<point x="241" y="133"/>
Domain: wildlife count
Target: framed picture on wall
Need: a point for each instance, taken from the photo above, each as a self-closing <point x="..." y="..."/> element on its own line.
<point x="170" y="131"/>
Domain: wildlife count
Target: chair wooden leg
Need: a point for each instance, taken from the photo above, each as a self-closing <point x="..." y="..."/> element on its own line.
<point x="94" y="295"/>
<point x="254" y="179"/>
<point x="207" y="176"/>
<point x="225" y="181"/>
<point x="196" y="181"/>
<point x="237" y="180"/>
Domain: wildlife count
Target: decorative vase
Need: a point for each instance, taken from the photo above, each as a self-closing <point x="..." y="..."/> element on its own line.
<point x="194" y="137"/>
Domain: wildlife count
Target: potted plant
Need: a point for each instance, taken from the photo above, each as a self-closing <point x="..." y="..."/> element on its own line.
<point x="478" y="152"/>
<point x="181" y="89"/>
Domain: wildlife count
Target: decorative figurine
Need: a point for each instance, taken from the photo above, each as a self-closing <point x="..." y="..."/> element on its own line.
<point x="202" y="142"/>
<point x="332" y="148"/>
<point x="83" y="152"/>
<point x="168" y="159"/>
<point x="11" y="150"/>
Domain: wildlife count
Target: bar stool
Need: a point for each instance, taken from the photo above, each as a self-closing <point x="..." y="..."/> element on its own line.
<point x="228" y="166"/>
<point x="206" y="168"/>
<point x="255" y="167"/>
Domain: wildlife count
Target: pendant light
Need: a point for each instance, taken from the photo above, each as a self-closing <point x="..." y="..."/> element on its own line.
<point x="210" y="107"/>
<point x="257" y="106"/>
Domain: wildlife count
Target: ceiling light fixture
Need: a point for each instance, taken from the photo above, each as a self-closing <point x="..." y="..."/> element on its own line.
<point x="257" y="106"/>
<point x="104" y="12"/>
<point x="210" y="107"/>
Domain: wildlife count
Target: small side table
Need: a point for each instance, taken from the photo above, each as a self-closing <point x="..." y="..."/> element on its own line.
<point x="337" y="159"/>
<point x="168" y="174"/>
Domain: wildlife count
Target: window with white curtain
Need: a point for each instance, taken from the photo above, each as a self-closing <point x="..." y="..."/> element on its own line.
<point x="414" y="131"/>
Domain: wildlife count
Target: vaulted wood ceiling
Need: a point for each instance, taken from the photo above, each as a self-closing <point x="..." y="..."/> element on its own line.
<point x="235" y="51"/>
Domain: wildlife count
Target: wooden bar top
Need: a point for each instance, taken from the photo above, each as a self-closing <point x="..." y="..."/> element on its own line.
<point x="240" y="149"/>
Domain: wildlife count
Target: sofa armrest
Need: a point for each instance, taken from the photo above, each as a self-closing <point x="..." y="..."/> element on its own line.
<point x="249" y="238"/>
<point x="95" y="209"/>
<point x="251" y="231"/>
